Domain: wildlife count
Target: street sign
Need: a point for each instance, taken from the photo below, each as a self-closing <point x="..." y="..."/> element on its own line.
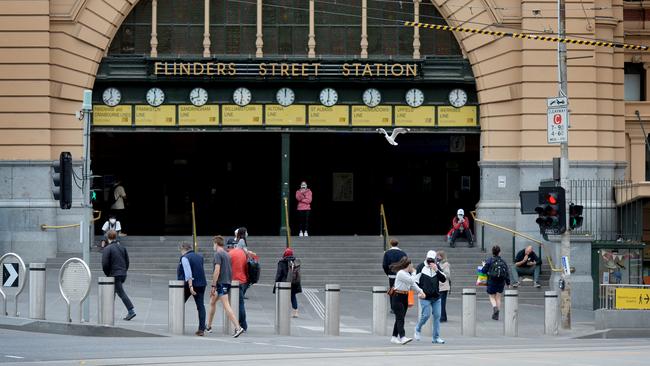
<point x="13" y="282"/>
<point x="10" y="275"/>
<point x="565" y="266"/>
<point x="557" y="117"/>
<point x="633" y="298"/>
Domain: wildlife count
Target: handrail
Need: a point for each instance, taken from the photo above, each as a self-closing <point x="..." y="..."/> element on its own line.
<point x="45" y="226"/>
<point x="286" y="221"/>
<point x="196" y="243"/>
<point x="384" y="223"/>
<point x="516" y="233"/>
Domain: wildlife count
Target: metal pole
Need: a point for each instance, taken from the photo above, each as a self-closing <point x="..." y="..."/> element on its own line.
<point x="332" y="309"/>
<point x="511" y="308"/>
<point x="106" y="301"/>
<point x="86" y="205"/>
<point x="379" y="310"/>
<point x="233" y="299"/>
<point x="176" y="313"/>
<point x="468" y="317"/>
<point x="37" y="290"/>
<point x="551" y="319"/>
<point x="482" y="238"/>
<point x="282" y="306"/>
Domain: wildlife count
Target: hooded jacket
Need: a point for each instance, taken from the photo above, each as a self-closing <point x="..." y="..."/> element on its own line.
<point x="428" y="280"/>
<point x="304" y="199"/>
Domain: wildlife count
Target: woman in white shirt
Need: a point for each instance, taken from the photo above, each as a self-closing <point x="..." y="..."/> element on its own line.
<point x="404" y="281"/>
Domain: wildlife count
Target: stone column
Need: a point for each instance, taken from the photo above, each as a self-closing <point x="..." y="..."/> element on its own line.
<point x="311" y="44"/>
<point x="637" y="158"/>
<point x="416" y="30"/>
<point x="206" y="30"/>
<point x="259" y="37"/>
<point x="364" y="28"/>
<point x="154" y="28"/>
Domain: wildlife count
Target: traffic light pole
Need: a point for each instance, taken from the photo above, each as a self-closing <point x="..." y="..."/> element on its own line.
<point x="86" y="206"/>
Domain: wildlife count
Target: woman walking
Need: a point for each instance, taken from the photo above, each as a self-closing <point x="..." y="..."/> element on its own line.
<point x="498" y="276"/>
<point x="404" y="281"/>
<point x="444" y="286"/>
<point x="289" y="271"/>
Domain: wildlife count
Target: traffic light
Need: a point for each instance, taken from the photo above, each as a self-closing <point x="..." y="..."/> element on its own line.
<point x="62" y="180"/>
<point x="575" y="216"/>
<point x="551" y="210"/>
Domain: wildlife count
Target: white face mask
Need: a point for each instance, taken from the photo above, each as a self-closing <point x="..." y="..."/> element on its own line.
<point x="112" y="221"/>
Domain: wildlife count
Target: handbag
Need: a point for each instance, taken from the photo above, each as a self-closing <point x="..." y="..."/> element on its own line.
<point x="391" y="292"/>
<point x="481" y="278"/>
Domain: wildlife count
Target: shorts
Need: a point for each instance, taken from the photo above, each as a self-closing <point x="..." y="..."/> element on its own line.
<point x="223" y="289"/>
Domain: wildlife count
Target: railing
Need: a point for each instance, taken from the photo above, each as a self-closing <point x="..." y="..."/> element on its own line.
<point x="196" y="243"/>
<point x="286" y="221"/>
<point x="45" y="226"/>
<point x="383" y="224"/>
<point x="607" y="296"/>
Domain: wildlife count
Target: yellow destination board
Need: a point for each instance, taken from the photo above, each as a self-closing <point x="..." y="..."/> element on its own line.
<point x="234" y="115"/>
<point x="120" y="115"/>
<point x="337" y="115"/>
<point x="207" y="115"/>
<point x="416" y="117"/>
<point x="457" y="117"/>
<point x="377" y="116"/>
<point x="633" y="298"/>
<point x="146" y="115"/>
<point x="293" y="115"/>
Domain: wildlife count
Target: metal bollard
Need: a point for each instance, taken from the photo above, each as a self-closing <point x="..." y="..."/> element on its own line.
<point x="332" y="309"/>
<point x="106" y="301"/>
<point x="282" y="308"/>
<point x="176" y="315"/>
<point x="379" y="310"/>
<point x="233" y="299"/>
<point x="469" y="312"/>
<point x="511" y="309"/>
<point x="37" y="290"/>
<point x="551" y="313"/>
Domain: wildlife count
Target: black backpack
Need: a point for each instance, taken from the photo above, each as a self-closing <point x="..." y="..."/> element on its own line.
<point x="253" y="271"/>
<point x="498" y="269"/>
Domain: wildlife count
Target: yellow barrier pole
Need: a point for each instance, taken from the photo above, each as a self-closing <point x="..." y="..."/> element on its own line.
<point x="45" y="226"/>
<point x="382" y="213"/>
<point x="196" y="244"/>
<point x="286" y="221"/>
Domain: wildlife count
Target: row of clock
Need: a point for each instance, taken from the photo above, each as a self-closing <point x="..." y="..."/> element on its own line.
<point x="285" y="97"/>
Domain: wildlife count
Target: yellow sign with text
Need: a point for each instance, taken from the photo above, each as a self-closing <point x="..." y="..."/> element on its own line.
<point x="457" y="117"/>
<point x="120" y="115"/>
<point x="377" y="116"/>
<point x="207" y="115"/>
<point x="234" y="115"/>
<point x="416" y="117"/>
<point x="165" y="115"/>
<point x="337" y="115"/>
<point x="293" y="115"/>
<point x="633" y="298"/>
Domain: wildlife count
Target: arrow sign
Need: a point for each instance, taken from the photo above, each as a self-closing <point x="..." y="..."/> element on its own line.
<point x="10" y="275"/>
<point x="647" y="298"/>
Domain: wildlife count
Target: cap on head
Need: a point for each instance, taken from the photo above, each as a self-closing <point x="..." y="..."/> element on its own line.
<point x="431" y="254"/>
<point x="460" y="212"/>
<point x="288" y="253"/>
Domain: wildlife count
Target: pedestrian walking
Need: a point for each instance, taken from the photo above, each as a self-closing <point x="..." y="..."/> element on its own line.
<point x="304" y="197"/>
<point x="429" y="277"/>
<point x="239" y="264"/>
<point x="404" y="281"/>
<point x="289" y="271"/>
<point x="190" y="269"/>
<point x="392" y="255"/>
<point x="115" y="263"/>
<point x="241" y="239"/>
<point x="498" y="276"/>
<point x="445" y="287"/>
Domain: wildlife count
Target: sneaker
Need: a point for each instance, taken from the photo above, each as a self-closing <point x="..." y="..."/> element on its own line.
<point x="495" y="315"/>
<point x="516" y="284"/>
<point x="301" y="234"/>
<point x="294" y="314"/>
<point x="306" y="233"/>
<point x="471" y="244"/>
<point x="129" y="316"/>
<point x="537" y="285"/>
<point x="238" y="332"/>
<point x="416" y="335"/>
<point x="439" y="340"/>
<point x="208" y="329"/>
<point x="200" y="333"/>
<point x="405" y="340"/>
<point x="453" y="245"/>
<point x="395" y="340"/>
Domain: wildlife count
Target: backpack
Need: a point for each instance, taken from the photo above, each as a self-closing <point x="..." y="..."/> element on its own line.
<point x="293" y="271"/>
<point x="253" y="271"/>
<point x="498" y="269"/>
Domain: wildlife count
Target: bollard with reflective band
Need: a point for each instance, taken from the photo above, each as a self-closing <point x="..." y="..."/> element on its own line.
<point x="468" y="317"/>
<point x="511" y="310"/>
<point x="283" y="308"/>
<point x="233" y="299"/>
<point x="176" y="317"/>
<point x="379" y="310"/>
<point x="551" y="313"/>
<point x="332" y="309"/>
<point x="106" y="301"/>
<point x="37" y="282"/>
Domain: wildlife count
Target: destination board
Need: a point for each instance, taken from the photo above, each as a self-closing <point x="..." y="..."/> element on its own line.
<point x="457" y="117"/>
<point x="293" y="115"/>
<point x="415" y="117"/>
<point x="121" y="115"/>
<point x="234" y="115"/>
<point x="337" y="115"/>
<point x="633" y="298"/>
<point x="207" y="115"/>
<point x="165" y="115"/>
<point x="377" y="116"/>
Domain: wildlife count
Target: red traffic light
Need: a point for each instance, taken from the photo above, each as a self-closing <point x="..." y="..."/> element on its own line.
<point x="551" y="199"/>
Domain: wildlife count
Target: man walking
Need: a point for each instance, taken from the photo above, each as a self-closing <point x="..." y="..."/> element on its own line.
<point x="239" y="262"/>
<point x="115" y="263"/>
<point x="190" y="270"/>
<point x="526" y="263"/>
<point x="392" y="255"/>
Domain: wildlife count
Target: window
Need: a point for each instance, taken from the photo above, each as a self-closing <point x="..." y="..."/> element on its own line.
<point x="285" y="27"/>
<point x="634" y="82"/>
<point x="336" y="34"/>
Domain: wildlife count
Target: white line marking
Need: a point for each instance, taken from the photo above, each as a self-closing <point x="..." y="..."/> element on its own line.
<point x="315" y="302"/>
<point x="11" y="356"/>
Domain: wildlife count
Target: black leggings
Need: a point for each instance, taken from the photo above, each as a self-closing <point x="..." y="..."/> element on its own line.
<point x="303" y="224"/>
<point x="399" y="303"/>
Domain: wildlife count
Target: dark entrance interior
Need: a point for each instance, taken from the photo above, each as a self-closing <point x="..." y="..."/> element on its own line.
<point x="234" y="178"/>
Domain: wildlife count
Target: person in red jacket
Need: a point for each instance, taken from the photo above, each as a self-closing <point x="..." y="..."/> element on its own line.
<point x="303" y="196"/>
<point x="460" y="227"/>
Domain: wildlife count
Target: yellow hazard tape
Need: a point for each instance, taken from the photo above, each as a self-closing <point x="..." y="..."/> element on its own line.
<point x="528" y="36"/>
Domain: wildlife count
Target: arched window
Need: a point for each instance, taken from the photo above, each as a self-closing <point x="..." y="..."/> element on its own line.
<point x="232" y="27"/>
<point x="286" y="27"/>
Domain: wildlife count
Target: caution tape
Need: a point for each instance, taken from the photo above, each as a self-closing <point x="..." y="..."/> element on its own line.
<point x="528" y="36"/>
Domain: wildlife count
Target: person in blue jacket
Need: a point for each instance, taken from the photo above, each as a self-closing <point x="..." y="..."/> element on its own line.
<point x="498" y="275"/>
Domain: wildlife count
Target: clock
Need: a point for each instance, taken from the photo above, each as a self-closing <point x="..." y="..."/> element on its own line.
<point x="199" y="96"/>
<point x="414" y="97"/>
<point x="329" y="97"/>
<point x="457" y="97"/>
<point x="285" y="97"/>
<point x="242" y="96"/>
<point x="111" y="97"/>
<point x="155" y="97"/>
<point x="372" y="97"/>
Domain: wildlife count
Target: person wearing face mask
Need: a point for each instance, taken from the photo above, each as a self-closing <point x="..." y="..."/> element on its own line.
<point x="460" y="227"/>
<point x="304" y="196"/>
<point x="110" y="224"/>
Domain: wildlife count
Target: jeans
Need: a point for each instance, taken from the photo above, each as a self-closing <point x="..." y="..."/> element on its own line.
<point x="303" y="216"/>
<point x="430" y="307"/>
<point x="242" y="307"/>
<point x="525" y="271"/>
<point x="399" y="304"/>
<point x="119" y="291"/>
<point x="294" y="301"/>
<point x="443" y="306"/>
<point x="465" y="233"/>
<point x="198" y="299"/>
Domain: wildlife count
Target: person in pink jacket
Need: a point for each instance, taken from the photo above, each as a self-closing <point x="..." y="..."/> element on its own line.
<point x="303" y="196"/>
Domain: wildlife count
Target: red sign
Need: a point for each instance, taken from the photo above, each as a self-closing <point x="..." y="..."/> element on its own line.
<point x="557" y="119"/>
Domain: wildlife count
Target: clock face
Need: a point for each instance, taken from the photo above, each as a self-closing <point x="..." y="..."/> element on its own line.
<point x="242" y="96"/>
<point x="111" y="97"/>
<point x="285" y="97"/>
<point x="414" y="97"/>
<point x="457" y="98"/>
<point x="155" y="97"/>
<point x="199" y="96"/>
<point x="372" y="97"/>
<point x="329" y="97"/>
